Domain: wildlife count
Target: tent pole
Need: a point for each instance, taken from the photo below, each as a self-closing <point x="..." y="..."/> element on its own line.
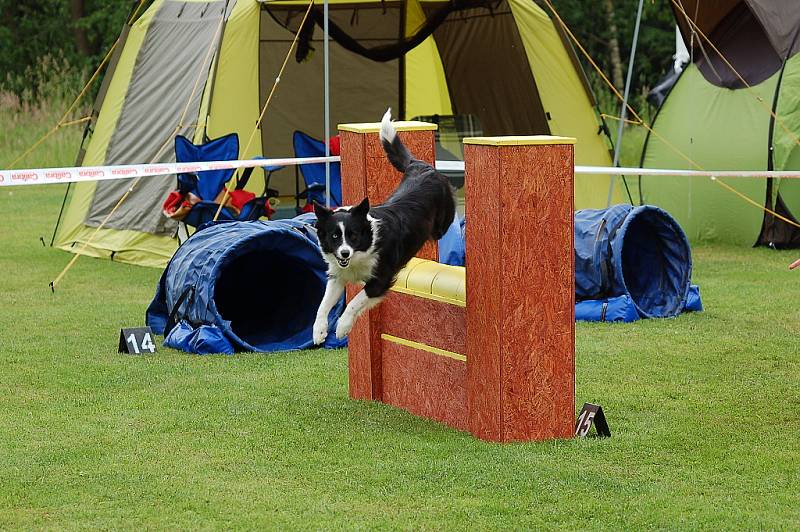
<point x="60" y="213"/>
<point x="326" y="69"/>
<point x="623" y="113"/>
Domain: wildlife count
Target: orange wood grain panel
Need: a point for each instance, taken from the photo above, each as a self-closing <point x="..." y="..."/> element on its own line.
<point x="362" y="369"/>
<point x="537" y="328"/>
<point x="426" y="321"/>
<point x="367" y="172"/>
<point x="484" y="251"/>
<point x="354" y="176"/>
<point x="520" y="291"/>
<point x="364" y="353"/>
<point x="425" y="384"/>
<point x="359" y="367"/>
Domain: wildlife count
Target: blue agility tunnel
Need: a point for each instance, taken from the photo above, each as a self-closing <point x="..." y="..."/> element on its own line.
<point x="630" y="263"/>
<point x="243" y="286"/>
<point x="631" y="256"/>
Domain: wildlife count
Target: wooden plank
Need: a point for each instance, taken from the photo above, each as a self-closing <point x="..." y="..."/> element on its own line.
<point x="425" y="384"/>
<point x="484" y="249"/>
<point x="520" y="290"/>
<point x="426" y="321"/>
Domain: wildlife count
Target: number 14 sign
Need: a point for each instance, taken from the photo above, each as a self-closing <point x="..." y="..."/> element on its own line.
<point x="136" y="341"/>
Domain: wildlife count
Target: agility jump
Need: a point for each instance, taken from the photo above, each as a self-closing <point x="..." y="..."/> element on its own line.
<point x="489" y="348"/>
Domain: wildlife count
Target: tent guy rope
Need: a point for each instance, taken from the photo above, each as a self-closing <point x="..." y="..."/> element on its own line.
<point x="650" y="129"/>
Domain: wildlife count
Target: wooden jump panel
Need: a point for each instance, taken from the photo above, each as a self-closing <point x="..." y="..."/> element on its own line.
<point x="366" y="172"/>
<point x="521" y="344"/>
<point x="500" y="361"/>
<point x="426" y="384"/>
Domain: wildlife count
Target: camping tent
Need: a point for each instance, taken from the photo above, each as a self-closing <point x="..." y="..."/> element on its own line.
<point x="713" y="120"/>
<point x="204" y="68"/>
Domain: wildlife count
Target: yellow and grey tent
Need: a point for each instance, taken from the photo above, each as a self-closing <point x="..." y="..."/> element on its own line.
<point x="204" y="69"/>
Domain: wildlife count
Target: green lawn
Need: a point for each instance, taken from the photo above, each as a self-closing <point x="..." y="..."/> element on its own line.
<point x="703" y="410"/>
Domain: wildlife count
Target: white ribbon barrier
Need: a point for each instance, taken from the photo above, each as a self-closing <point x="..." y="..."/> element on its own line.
<point x="456" y="166"/>
<point x="43" y="176"/>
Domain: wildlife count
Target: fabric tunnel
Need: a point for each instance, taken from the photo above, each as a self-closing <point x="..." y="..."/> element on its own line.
<point x="244" y="286"/>
<point x="631" y="261"/>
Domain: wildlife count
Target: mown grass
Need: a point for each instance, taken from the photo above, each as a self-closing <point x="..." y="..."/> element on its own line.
<point x="701" y="408"/>
<point x="702" y="411"/>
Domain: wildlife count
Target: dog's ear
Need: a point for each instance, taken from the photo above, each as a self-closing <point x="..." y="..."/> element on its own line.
<point x="362" y="209"/>
<point x="322" y="212"/>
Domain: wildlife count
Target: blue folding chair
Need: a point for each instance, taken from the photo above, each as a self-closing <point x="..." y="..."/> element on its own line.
<point x="314" y="174"/>
<point x="208" y="184"/>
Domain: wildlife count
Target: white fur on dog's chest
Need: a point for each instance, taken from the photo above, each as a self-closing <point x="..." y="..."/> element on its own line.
<point x="359" y="271"/>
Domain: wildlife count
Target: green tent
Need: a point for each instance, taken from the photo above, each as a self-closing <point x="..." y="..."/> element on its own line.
<point x="204" y="68"/>
<point x="720" y="118"/>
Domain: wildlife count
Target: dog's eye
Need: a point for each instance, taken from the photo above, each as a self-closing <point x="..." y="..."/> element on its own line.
<point x="350" y="235"/>
<point x="335" y="235"/>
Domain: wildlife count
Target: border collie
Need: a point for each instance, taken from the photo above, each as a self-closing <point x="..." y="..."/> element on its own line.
<point x="370" y="245"/>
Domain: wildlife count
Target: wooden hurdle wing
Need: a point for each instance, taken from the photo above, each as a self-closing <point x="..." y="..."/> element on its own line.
<point x="489" y="348"/>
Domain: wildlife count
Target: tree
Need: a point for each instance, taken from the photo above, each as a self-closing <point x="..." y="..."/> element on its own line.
<point x="77" y="14"/>
<point x="605" y="29"/>
<point x="613" y="45"/>
<point x="73" y="32"/>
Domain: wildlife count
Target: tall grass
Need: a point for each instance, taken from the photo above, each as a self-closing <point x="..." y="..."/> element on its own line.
<point x="633" y="135"/>
<point x="30" y="115"/>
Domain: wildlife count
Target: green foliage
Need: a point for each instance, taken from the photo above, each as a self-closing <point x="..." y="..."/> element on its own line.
<point x="44" y="30"/>
<point x="588" y="20"/>
<point x="29" y="116"/>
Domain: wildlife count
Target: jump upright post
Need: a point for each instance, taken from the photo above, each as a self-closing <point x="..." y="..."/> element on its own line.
<point x="489" y="348"/>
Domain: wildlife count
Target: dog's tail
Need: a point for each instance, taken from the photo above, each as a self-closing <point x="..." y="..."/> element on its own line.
<point x="396" y="151"/>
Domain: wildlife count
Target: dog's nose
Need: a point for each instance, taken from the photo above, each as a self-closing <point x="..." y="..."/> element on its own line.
<point x="345" y="253"/>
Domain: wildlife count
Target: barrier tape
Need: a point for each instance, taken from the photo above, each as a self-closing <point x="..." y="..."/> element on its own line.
<point x="455" y="166"/>
<point x="44" y="176"/>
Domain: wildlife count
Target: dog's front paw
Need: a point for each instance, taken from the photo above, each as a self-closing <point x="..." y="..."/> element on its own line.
<point x="344" y="326"/>
<point x="320" y="331"/>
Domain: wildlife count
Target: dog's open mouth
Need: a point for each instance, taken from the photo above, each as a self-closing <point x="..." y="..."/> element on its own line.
<point x="343" y="262"/>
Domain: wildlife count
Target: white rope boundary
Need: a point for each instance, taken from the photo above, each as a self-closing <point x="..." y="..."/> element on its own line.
<point x="456" y="166"/>
<point x="44" y="176"/>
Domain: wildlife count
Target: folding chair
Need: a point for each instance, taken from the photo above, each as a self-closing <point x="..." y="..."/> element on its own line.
<point x="314" y="174"/>
<point x="195" y="201"/>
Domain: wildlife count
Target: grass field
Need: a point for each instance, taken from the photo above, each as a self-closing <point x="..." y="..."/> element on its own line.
<point x="703" y="411"/>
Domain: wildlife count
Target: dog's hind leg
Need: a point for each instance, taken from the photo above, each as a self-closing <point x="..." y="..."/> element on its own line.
<point x="357" y="306"/>
<point x="333" y="291"/>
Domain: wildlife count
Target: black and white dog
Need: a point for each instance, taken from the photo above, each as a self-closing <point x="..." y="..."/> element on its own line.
<point x="371" y="245"/>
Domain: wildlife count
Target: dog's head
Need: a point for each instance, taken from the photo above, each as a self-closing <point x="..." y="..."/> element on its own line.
<point x="344" y="233"/>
